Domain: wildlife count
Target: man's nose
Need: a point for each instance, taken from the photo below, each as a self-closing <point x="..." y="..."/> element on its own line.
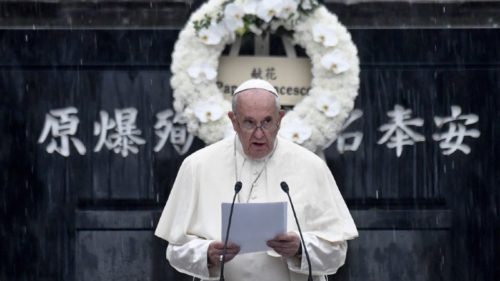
<point x="258" y="133"/>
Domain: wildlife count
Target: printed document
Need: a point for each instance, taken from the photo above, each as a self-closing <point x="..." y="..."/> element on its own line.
<point x="253" y="224"/>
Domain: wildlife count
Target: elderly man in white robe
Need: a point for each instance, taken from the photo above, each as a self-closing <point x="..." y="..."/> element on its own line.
<point x="256" y="156"/>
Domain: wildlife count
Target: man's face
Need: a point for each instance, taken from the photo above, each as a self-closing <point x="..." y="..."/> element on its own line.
<point x="256" y="121"/>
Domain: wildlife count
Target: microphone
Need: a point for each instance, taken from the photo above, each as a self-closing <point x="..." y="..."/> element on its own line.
<point x="284" y="187"/>
<point x="237" y="188"/>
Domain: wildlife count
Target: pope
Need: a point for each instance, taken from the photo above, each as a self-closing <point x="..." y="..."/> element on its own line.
<point x="261" y="160"/>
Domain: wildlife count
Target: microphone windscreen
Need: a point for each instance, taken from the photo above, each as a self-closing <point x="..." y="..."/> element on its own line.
<point x="284" y="186"/>
<point x="237" y="186"/>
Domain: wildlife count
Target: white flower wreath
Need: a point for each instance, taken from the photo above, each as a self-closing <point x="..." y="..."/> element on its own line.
<point x="315" y="121"/>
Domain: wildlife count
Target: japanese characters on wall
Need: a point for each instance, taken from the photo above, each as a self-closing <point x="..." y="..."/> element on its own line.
<point x="119" y="133"/>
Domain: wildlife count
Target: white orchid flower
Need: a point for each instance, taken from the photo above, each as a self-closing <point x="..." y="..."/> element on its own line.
<point x="250" y="7"/>
<point x="208" y="111"/>
<point x="296" y="131"/>
<point x="212" y="35"/>
<point x="268" y="9"/>
<point x="306" y="5"/>
<point x="233" y="17"/>
<point x="330" y="106"/>
<point x="288" y="8"/>
<point x="202" y="72"/>
<point x="325" y="35"/>
<point x="335" y="61"/>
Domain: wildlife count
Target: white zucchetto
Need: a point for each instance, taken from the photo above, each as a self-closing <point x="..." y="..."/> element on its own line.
<point x="256" y="84"/>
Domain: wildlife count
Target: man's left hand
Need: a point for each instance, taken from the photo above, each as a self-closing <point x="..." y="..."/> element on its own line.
<point x="287" y="245"/>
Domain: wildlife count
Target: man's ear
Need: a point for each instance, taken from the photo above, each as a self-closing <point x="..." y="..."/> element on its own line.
<point x="281" y="113"/>
<point x="232" y="117"/>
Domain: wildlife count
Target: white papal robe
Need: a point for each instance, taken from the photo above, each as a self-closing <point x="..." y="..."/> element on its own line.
<point x="191" y="218"/>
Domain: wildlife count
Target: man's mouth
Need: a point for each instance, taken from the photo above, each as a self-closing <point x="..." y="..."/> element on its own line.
<point x="259" y="144"/>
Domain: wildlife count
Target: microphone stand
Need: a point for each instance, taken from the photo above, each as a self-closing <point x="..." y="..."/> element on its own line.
<point x="237" y="188"/>
<point x="284" y="187"/>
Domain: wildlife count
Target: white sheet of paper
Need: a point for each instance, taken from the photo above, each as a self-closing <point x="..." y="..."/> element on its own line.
<point x="253" y="224"/>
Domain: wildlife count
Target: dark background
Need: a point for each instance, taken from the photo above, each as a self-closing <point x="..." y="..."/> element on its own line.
<point x="422" y="216"/>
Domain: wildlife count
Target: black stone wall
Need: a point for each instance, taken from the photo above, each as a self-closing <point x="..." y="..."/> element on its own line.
<point x="421" y="216"/>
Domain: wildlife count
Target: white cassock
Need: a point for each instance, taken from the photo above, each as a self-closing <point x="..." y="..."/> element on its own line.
<point x="191" y="219"/>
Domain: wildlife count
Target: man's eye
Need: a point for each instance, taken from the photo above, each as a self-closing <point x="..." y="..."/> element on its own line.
<point x="248" y="123"/>
<point x="266" y="122"/>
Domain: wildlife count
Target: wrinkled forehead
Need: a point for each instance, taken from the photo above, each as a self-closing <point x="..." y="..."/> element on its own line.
<point x="256" y="103"/>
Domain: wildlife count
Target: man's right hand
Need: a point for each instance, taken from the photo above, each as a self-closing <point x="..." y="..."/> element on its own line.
<point x="216" y="248"/>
